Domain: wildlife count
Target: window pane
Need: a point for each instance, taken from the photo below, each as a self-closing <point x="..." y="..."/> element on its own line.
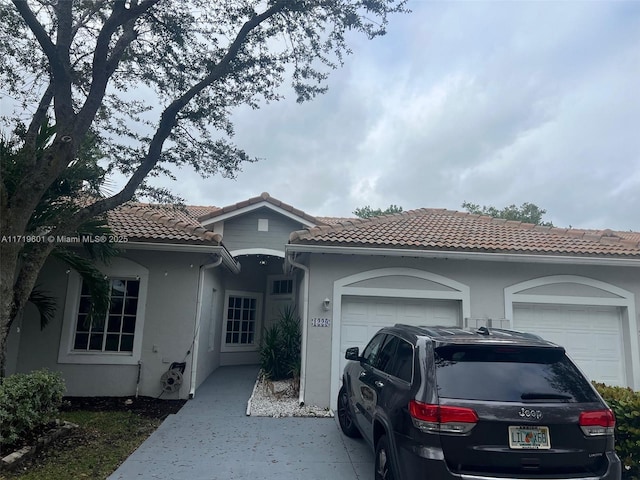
<point x="130" y="306"/>
<point x="126" y="344"/>
<point x="133" y="287"/>
<point x="95" y="341"/>
<point x="386" y="355"/>
<point x="508" y="374"/>
<point x="246" y="302"/>
<point x="82" y="325"/>
<point x="112" y="343"/>
<point x="81" y="341"/>
<point x="252" y="304"/>
<point x="85" y="305"/>
<point x="116" y="305"/>
<point x="251" y="337"/>
<point x="114" y="323"/>
<point x="128" y="324"/>
<point x="371" y="350"/>
<point x="117" y="288"/>
<point x="235" y="337"/>
<point x="245" y="315"/>
<point x="243" y="338"/>
<point x="228" y="338"/>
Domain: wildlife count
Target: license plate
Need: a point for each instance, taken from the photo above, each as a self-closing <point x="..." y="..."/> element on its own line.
<point x="529" y="437"/>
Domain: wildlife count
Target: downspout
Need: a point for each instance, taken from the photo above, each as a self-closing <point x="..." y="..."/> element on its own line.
<point x="305" y="314"/>
<point x="196" y="337"/>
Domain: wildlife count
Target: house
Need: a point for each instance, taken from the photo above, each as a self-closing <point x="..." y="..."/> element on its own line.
<point x="194" y="289"/>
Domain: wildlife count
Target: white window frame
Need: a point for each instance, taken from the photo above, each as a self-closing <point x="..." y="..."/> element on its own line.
<point x="230" y="347"/>
<point x="271" y="279"/>
<point x="118" y="268"/>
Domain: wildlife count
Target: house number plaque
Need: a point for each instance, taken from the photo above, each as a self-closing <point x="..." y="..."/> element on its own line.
<point x="320" y="322"/>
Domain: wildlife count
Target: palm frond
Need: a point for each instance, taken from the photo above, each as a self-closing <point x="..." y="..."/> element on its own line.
<point x="96" y="282"/>
<point x="45" y="302"/>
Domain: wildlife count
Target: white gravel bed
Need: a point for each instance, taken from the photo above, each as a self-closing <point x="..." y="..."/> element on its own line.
<point x="280" y="399"/>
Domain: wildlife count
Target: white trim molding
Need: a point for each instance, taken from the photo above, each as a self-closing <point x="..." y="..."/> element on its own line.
<point x="344" y="287"/>
<point x="618" y="297"/>
<point x="256" y="206"/>
<point x="257" y="322"/>
<point x="118" y="268"/>
<point x="257" y="251"/>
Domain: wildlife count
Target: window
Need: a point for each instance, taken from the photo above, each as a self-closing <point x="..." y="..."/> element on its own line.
<point x="117" y="338"/>
<point x="243" y="311"/>
<point x="282" y="286"/>
<point x="509" y="374"/>
<point x="370" y="353"/>
<point x="116" y="332"/>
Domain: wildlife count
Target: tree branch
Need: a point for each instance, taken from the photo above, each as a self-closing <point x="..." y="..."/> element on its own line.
<point x="38" y="117"/>
<point x="104" y="64"/>
<point x="38" y="31"/>
<point x="168" y="118"/>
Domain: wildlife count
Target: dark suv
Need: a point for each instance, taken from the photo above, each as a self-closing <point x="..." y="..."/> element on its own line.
<point x="445" y="403"/>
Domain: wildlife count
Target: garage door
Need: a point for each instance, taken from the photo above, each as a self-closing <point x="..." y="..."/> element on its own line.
<point x="592" y="336"/>
<point x="362" y="317"/>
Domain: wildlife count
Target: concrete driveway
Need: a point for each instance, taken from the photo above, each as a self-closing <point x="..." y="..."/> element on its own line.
<point x="212" y="438"/>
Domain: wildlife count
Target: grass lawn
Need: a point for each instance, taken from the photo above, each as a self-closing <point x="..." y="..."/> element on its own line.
<point x="92" y="451"/>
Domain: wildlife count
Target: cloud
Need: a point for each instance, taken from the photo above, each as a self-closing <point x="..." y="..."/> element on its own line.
<point x="490" y="102"/>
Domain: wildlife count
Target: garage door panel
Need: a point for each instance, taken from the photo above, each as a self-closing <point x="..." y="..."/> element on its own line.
<point x="592" y="336"/>
<point x="362" y="317"/>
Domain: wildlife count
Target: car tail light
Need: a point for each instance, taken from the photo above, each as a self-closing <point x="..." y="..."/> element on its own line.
<point x="442" y="418"/>
<point x="597" y="422"/>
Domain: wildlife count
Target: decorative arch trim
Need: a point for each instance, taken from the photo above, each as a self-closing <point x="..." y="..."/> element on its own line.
<point x="257" y="251"/>
<point x="624" y="299"/>
<point x="343" y="287"/>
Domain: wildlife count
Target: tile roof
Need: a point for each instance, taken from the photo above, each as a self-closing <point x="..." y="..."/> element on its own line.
<point x="264" y="197"/>
<point x="159" y="224"/>
<point x="447" y="230"/>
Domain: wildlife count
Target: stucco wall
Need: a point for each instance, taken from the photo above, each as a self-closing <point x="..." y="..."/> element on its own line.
<point x="486" y="281"/>
<point x="242" y="232"/>
<point x="167" y="336"/>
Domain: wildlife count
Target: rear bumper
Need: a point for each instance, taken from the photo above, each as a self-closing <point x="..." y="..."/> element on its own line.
<point x="423" y="464"/>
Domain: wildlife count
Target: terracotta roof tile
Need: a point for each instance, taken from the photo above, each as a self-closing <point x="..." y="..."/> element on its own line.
<point x="152" y="223"/>
<point x="439" y="229"/>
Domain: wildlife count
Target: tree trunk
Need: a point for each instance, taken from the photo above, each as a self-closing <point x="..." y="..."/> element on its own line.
<point x="9" y="253"/>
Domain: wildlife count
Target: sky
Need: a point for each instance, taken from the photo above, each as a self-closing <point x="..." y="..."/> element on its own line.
<point x="489" y="102"/>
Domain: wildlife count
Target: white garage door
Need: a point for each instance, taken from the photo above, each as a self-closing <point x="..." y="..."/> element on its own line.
<point x="592" y="336"/>
<point x="362" y="317"/>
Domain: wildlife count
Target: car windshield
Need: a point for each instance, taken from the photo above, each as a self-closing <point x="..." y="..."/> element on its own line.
<point x="509" y="374"/>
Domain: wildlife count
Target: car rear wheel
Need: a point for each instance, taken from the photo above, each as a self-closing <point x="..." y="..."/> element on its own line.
<point x="347" y="423"/>
<point x="384" y="462"/>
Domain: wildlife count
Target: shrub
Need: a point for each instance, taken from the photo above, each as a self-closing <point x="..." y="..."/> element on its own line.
<point x="28" y="402"/>
<point x="280" y="349"/>
<point x="625" y="404"/>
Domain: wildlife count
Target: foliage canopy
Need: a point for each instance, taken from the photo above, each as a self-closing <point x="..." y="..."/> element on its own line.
<point x="368" y="212"/>
<point x="154" y="83"/>
<point x="527" y="212"/>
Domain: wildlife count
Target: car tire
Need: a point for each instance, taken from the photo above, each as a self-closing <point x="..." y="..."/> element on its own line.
<point x="345" y="417"/>
<point x="384" y="461"/>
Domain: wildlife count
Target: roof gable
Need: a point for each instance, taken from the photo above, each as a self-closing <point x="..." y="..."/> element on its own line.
<point x="254" y="203"/>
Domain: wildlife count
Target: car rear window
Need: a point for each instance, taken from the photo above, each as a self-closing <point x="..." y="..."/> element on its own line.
<point x="509" y="374"/>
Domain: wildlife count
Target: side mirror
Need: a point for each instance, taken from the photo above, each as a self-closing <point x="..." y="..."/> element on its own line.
<point x="352" y="353"/>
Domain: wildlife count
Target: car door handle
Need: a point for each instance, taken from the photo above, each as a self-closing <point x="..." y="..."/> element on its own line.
<point x="378" y="384"/>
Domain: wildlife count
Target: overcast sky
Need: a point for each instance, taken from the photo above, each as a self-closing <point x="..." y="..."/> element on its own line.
<point x="495" y="103"/>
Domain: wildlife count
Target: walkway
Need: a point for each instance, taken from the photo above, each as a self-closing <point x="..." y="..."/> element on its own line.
<point x="211" y="438"/>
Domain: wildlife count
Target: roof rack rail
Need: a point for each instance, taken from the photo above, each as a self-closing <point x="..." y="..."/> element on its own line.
<point x="483" y="330"/>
